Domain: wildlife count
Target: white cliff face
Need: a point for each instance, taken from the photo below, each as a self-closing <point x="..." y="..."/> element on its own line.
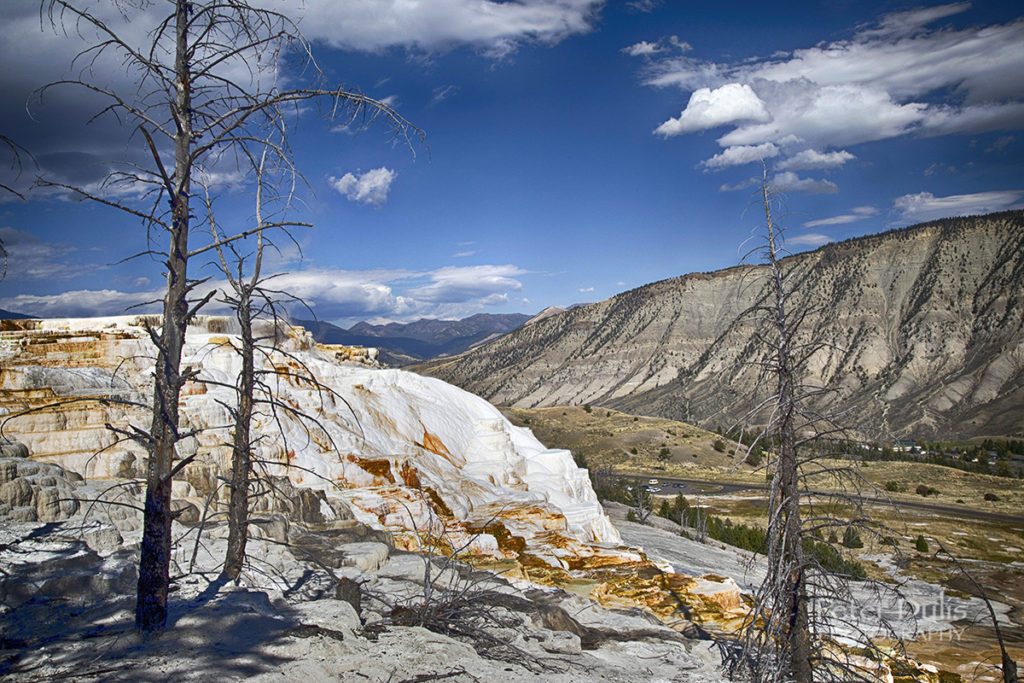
<point x="396" y="446"/>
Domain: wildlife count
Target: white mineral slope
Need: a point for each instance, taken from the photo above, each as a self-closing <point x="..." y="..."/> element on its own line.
<point x="375" y="438"/>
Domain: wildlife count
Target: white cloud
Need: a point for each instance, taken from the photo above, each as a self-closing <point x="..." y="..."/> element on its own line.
<point x="82" y="303"/>
<point x="585" y="290"/>
<point x="809" y="239"/>
<point x="742" y="185"/>
<point x="643" y="49"/>
<point x="901" y="76"/>
<point x="461" y="283"/>
<point x="497" y="27"/>
<point x="1001" y="144"/>
<point x="643" y="5"/>
<point x="707" y="108"/>
<point x="333" y="294"/>
<point x="924" y="206"/>
<point x="369" y="188"/>
<point x="742" y="154"/>
<point x="813" y="159"/>
<point x="787" y="181"/>
<point x="442" y="93"/>
<point x="904" y="23"/>
<point x="463" y="254"/>
<point x="857" y="214"/>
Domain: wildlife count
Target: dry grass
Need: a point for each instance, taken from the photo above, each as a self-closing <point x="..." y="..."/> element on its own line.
<point x="606" y="438"/>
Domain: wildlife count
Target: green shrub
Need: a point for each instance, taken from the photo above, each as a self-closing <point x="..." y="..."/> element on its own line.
<point x="719" y="445"/>
<point x="991" y="496"/>
<point x="851" y="538"/>
<point x="894" y="486"/>
<point x="921" y="545"/>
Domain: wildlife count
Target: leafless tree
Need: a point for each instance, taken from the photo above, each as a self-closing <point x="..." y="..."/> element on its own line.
<point x="205" y="95"/>
<point x="643" y="503"/>
<point x="788" y="635"/>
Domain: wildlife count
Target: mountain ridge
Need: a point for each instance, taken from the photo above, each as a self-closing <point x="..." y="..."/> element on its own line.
<point x="423" y="339"/>
<point x="922" y="327"/>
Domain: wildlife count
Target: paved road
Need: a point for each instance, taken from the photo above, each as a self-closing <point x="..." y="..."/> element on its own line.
<point x="694" y="487"/>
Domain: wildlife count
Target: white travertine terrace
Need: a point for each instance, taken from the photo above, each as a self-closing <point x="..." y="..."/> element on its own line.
<point x="371" y="438"/>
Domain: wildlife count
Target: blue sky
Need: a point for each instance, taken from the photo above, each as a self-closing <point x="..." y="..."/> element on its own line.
<point x="574" y="148"/>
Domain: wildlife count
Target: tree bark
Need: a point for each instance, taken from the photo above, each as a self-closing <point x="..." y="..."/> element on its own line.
<point x="241" y="459"/>
<point x="797" y="627"/>
<point x="154" y="563"/>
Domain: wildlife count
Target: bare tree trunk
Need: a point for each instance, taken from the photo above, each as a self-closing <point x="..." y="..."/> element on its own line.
<point x="154" y="564"/>
<point x="787" y="482"/>
<point x="193" y="106"/>
<point x="241" y="454"/>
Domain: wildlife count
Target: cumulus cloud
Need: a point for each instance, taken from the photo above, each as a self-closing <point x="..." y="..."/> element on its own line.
<point x="83" y="303"/>
<point x="902" y="75"/>
<point x="369" y="188"/>
<point x="496" y="27"/>
<point x="742" y="185"/>
<point x="461" y="283"/>
<point x="924" y="206"/>
<point x="787" y="181"/>
<point x="856" y="214"/>
<point x="813" y="159"/>
<point x="333" y="294"/>
<point x="741" y="154"/>
<point x="707" y="108"/>
<point x="643" y="49"/>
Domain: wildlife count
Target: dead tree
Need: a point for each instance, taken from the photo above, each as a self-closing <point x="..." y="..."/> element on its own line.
<point x="191" y="110"/>
<point x="250" y="301"/>
<point x="788" y="634"/>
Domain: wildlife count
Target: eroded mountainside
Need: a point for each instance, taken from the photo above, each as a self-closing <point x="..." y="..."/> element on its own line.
<point x="921" y="333"/>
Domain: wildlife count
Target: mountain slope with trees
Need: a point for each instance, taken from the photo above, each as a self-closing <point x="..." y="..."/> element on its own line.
<point x="918" y="331"/>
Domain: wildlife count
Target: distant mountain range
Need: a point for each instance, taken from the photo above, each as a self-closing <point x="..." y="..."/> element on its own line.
<point x="10" y="315"/>
<point x="921" y="334"/>
<point x="424" y="339"/>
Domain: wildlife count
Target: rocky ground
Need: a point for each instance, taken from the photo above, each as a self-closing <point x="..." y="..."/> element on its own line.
<point x="336" y="602"/>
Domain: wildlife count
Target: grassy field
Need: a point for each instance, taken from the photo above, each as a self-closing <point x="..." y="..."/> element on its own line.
<point x="631" y="444"/>
<point x="607" y="439"/>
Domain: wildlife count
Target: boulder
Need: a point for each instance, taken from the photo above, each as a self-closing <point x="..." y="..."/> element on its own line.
<point x="16" y="493"/>
<point x="12" y="449"/>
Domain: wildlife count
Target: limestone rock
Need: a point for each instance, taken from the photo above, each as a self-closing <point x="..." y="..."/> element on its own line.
<point x="16" y="493"/>
<point x="102" y="538"/>
<point x="185" y="512"/>
<point x="13" y="449"/>
<point x="381" y="448"/>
